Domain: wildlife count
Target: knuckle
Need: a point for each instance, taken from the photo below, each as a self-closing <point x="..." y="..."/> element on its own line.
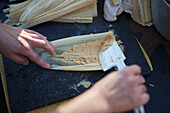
<point x="35" y="35"/>
<point x="144" y="89"/>
<point x="137" y="67"/>
<point x="43" y="63"/>
<point x="31" y="55"/>
<point x="142" y="79"/>
<point x="131" y="81"/>
<point x="44" y="43"/>
<point x="19" y="47"/>
<point x="133" y="91"/>
<point x="23" y="49"/>
<point x="43" y="37"/>
<point x="125" y="72"/>
<point x="133" y="98"/>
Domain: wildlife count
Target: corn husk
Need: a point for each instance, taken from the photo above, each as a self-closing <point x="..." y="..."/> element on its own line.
<point x="59" y="63"/>
<point x="83" y="15"/>
<point x="33" y="12"/>
<point x="117" y="2"/>
<point x="140" y="11"/>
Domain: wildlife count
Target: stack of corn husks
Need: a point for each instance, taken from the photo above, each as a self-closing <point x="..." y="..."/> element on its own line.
<point x="33" y="12"/>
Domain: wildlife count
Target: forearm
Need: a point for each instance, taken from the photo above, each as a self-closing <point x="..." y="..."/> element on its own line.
<point x="88" y="102"/>
<point x="1" y="24"/>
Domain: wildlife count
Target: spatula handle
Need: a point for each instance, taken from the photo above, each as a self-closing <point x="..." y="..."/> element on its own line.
<point x="121" y="65"/>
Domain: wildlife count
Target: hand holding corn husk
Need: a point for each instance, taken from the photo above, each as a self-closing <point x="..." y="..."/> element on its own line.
<point x="140" y="10"/>
<point x="15" y="43"/>
<point x="32" y="12"/>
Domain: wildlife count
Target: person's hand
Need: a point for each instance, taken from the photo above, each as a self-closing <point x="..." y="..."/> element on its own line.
<point x="122" y="90"/>
<point x="119" y="91"/>
<point x="15" y="43"/>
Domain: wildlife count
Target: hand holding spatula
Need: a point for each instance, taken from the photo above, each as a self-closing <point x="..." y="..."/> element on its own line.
<point x="113" y="56"/>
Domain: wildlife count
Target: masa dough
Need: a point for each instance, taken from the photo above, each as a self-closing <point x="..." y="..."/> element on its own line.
<point x="88" y="53"/>
<point x="78" y="53"/>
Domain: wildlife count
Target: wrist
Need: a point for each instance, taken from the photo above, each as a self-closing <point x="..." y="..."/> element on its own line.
<point x="98" y="101"/>
<point x="89" y="102"/>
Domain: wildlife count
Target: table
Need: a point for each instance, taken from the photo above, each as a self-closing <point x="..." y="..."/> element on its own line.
<point x="158" y="82"/>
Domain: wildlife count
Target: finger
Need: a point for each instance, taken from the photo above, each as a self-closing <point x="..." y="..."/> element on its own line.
<point x="39" y="43"/>
<point x="133" y="81"/>
<point x="139" y="79"/>
<point x="24" y="44"/>
<point x="19" y="59"/>
<point x="49" y="49"/>
<point x="37" y="59"/>
<point x="52" y="45"/>
<point x="24" y="33"/>
<point x="144" y="98"/>
<point x="136" y="93"/>
<point x="40" y="36"/>
<point x="133" y="70"/>
<point x="45" y="45"/>
<point x="32" y="39"/>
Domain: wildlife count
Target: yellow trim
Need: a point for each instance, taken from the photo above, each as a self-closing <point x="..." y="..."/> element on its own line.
<point x="146" y="56"/>
<point x="4" y="84"/>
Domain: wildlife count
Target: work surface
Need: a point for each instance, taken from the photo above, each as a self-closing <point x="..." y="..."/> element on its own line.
<point x="158" y="49"/>
<point x="160" y="78"/>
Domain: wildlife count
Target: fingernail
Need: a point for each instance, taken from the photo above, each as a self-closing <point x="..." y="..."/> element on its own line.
<point x="145" y="98"/>
<point x="26" y="63"/>
<point x="144" y="81"/>
<point x="54" y="54"/>
<point x="48" y="66"/>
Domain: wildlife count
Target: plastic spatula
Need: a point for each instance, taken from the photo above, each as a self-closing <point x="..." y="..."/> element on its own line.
<point x="114" y="57"/>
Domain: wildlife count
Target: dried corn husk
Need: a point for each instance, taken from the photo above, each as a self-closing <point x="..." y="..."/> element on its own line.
<point x="140" y="10"/>
<point x="117" y="2"/>
<point x="33" y="12"/>
<point x="83" y="15"/>
<point x="59" y="63"/>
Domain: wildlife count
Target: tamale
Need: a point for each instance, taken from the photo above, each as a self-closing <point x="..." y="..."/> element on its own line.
<point x="69" y="57"/>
